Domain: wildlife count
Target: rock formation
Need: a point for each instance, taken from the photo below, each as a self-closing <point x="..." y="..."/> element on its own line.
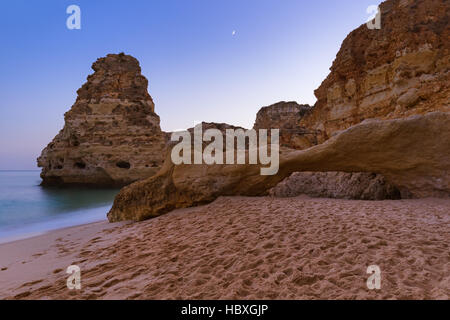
<point x="380" y="127"/>
<point x="413" y="152"/>
<point x="286" y="116"/>
<point x="111" y="135"/>
<point x="376" y="113"/>
<point x="399" y="70"/>
<point x="337" y="185"/>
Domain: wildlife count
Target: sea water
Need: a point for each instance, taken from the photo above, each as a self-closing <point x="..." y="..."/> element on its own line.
<point x="27" y="209"/>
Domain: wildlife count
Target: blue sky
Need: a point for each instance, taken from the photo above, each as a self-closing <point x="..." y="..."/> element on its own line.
<point x="197" y="69"/>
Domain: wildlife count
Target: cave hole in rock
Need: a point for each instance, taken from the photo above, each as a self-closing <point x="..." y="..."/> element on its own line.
<point x="80" y="165"/>
<point x="123" y="165"/>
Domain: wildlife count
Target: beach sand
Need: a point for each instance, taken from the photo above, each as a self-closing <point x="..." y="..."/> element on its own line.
<point x="244" y="248"/>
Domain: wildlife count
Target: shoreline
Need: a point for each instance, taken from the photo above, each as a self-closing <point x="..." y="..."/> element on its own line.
<point x="243" y="248"/>
<point x="69" y="219"/>
<point x="38" y="234"/>
<point x="39" y="256"/>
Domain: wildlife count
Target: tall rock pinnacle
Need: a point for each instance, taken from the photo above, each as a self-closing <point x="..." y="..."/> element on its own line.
<point x="111" y="135"/>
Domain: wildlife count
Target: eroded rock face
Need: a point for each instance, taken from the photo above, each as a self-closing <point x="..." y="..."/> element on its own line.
<point x="111" y="135"/>
<point x="286" y="116"/>
<point x="397" y="71"/>
<point x="391" y="74"/>
<point x="337" y="185"/>
<point x="412" y="152"/>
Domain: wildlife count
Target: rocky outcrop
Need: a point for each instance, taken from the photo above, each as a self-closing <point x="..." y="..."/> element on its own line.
<point x="400" y="70"/>
<point x="213" y="125"/>
<point x="337" y="185"/>
<point x="413" y="153"/>
<point x="398" y="75"/>
<point x="286" y="117"/>
<point x="111" y="135"/>
<point x="397" y="71"/>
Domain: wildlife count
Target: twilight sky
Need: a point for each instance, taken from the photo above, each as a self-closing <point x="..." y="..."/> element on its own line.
<point x="206" y="60"/>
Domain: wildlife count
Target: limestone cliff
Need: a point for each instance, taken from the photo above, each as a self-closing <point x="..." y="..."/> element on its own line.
<point x="399" y="70"/>
<point x="111" y="135"/>
<point x="286" y="116"/>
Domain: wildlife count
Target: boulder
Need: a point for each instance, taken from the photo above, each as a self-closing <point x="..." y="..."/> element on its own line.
<point x="337" y="185"/>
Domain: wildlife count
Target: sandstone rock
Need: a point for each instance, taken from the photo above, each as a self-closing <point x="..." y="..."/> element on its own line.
<point x="338" y="185"/>
<point x="213" y="125"/>
<point x="412" y="153"/>
<point x="407" y="60"/>
<point x="111" y="135"/>
<point x="286" y="116"/>
<point x="409" y="98"/>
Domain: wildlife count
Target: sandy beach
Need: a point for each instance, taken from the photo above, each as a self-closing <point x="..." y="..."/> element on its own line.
<point x="244" y="248"/>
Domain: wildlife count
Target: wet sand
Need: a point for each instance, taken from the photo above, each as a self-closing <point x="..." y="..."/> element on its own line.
<point x="244" y="248"/>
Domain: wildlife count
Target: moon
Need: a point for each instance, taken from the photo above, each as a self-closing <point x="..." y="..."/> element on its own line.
<point x="233" y="33"/>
